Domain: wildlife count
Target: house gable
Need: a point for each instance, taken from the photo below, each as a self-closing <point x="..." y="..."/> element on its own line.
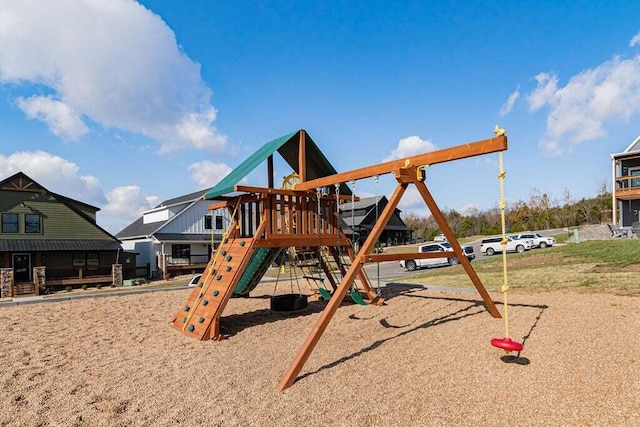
<point x="634" y="146"/>
<point x="60" y="217"/>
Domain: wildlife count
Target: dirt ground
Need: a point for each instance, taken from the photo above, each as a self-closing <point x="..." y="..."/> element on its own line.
<point x="423" y="359"/>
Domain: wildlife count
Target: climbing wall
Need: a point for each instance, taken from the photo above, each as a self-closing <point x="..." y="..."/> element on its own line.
<point x="199" y="318"/>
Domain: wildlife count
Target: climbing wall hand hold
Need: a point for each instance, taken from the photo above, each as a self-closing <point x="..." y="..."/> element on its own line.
<point x="215" y="293"/>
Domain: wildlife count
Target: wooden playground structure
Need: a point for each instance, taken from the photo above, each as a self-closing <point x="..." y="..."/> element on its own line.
<point x="305" y="220"/>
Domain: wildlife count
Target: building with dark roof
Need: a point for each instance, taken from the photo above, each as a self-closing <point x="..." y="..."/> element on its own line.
<point x="47" y="239"/>
<point x="362" y="215"/>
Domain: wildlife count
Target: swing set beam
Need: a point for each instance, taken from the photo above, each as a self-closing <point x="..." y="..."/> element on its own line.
<point x="471" y="149"/>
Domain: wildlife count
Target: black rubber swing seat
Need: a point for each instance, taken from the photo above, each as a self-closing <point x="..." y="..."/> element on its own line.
<point x="289" y="302"/>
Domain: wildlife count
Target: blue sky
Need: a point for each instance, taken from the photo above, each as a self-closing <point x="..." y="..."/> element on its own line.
<point x="122" y="104"/>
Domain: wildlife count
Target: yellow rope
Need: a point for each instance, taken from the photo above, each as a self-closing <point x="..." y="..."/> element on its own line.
<point x="505" y="284"/>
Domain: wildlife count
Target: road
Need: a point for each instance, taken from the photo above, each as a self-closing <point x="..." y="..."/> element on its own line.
<point x="389" y="271"/>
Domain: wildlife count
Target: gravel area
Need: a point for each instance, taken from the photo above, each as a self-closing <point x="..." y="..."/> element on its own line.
<point x="422" y="359"/>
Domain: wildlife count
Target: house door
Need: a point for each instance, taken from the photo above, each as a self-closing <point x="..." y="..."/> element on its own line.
<point x="21" y="267"/>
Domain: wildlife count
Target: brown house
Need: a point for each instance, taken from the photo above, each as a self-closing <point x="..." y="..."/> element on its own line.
<point x="50" y="240"/>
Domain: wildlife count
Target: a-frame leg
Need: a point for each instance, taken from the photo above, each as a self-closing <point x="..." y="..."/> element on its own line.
<point x="333" y="304"/>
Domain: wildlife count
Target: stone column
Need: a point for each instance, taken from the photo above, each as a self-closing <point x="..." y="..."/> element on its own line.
<point x="6" y="282"/>
<point x="116" y="273"/>
<point x="39" y="278"/>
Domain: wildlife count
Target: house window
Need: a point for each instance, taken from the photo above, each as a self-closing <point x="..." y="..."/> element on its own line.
<point x="180" y="251"/>
<point x="93" y="259"/>
<point x="218" y="222"/>
<point x="32" y="223"/>
<point x="86" y="259"/>
<point x="635" y="182"/>
<point x="208" y="222"/>
<point x="9" y="223"/>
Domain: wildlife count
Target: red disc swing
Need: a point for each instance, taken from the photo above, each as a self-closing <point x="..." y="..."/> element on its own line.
<point x="506" y="343"/>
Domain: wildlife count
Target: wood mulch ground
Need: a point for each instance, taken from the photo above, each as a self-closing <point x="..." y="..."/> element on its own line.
<point x="423" y="359"/>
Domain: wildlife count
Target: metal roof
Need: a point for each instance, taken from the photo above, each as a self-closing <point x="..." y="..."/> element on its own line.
<point x="288" y="146"/>
<point x="42" y="245"/>
<point x="182" y="199"/>
<point x="139" y="229"/>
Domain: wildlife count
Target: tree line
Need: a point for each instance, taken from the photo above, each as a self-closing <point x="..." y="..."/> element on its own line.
<point x="538" y="213"/>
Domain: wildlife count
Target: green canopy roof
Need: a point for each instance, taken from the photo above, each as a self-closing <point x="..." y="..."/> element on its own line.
<point x="288" y="146"/>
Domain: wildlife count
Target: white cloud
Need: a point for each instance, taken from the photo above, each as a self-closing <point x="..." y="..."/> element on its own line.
<point x="55" y="174"/>
<point x="207" y="174"/>
<point x="546" y="90"/>
<point x="510" y="102"/>
<point x="59" y="117"/>
<point x="591" y="100"/>
<point x="128" y="202"/>
<point x="635" y="40"/>
<point x="410" y="146"/>
<point x="113" y="62"/>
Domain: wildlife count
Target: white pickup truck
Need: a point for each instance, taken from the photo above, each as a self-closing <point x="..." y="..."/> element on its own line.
<point x="412" y="265"/>
<point x="539" y="241"/>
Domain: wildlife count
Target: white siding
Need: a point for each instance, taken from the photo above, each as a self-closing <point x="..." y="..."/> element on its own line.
<point x="145" y="249"/>
<point x="162" y="214"/>
<point x="635" y="146"/>
<point x="191" y="220"/>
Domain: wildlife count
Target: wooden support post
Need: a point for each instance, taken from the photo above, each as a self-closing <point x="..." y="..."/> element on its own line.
<point x="451" y="238"/>
<point x="270" y="178"/>
<point x="337" y="297"/>
<point x="302" y="157"/>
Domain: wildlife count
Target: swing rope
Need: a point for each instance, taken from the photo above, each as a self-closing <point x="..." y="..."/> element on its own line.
<point x="505" y="282"/>
<point x="504" y="343"/>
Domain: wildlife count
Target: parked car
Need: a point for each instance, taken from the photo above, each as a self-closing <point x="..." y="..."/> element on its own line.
<point x="539" y="241"/>
<point x="440" y="238"/>
<point x="528" y="243"/>
<point x="412" y="265"/>
<point x="194" y="281"/>
<point x="417" y="240"/>
<point x="493" y="245"/>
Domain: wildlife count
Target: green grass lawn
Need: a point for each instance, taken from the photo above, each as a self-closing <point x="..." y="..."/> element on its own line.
<point x="611" y="266"/>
